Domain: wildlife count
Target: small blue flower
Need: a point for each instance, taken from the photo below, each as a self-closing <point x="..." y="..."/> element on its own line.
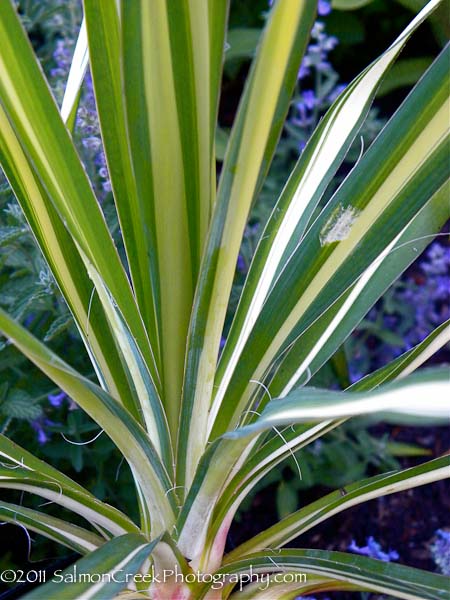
<point x="303" y="71"/>
<point x="29" y="319"/>
<point x="440" y="551"/>
<point x="373" y="550"/>
<point x="309" y="99"/>
<point x="241" y="264"/>
<point x="92" y="143"/>
<point x="39" y="425"/>
<point x="57" y="399"/>
<point x="324" y="8"/>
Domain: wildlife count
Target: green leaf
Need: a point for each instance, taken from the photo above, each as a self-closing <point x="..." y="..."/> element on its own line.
<point x="356" y="493"/>
<point x="366" y="574"/>
<point x="286" y="499"/>
<point x="419" y="399"/>
<point x="241" y="45"/>
<point x="20" y="405"/>
<point x="404" y="73"/>
<point x="10" y="233"/>
<point x="76" y="538"/>
<point x="60" y="324"/>
<point x="396" y="177"/>
<point x="78" y="67"/>
<point x="124" y="431"/>
<point x="349" y="4"/>
<point x="23" y="471"/>
<point x="252" y="143"/>
<point x="403" y="449"/>
<point x="221" y="141"/>
<point x="50" y="181"/>
<point x="102" y="574"/>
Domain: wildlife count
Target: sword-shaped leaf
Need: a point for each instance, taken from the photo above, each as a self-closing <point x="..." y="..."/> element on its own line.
<point x="72" y="536"/>
<point x="419" y="398"/>
<point x="124" y="431"/>
<point x="400" y="172"/>
<point x="102" y="574"/>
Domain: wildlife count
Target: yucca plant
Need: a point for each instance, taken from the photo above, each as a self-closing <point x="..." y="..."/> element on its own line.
<point x="200" y="432"/>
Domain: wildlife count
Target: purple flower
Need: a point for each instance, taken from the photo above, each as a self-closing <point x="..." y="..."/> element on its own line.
<point x="62" y="57"/>
<point x="39" y="426"/>
<point x="241" y="264"/>
<point x="373" y="550"/>
<point x="42" y="437"/>
<point x="417" y="304"/>
<point x="324" y="8"/>
<point x="56" y="399"/>
<point x="29" y="319"/>
<point x="92" y="143"/>
<point x="303" y="71"/>
<point x="309" y="99"/>
<point x="440" y="551"/>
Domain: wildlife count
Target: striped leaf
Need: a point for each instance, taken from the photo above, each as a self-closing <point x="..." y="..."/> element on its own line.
<point x="22" y="470"/>
<point x="366" y="574"/>
<point x="124" y="431"/>
<point x="281" y="443"/>
<point x="76" y="538"/>
<point x="220" y="472"/>
<point x="102" y="574"/>
<point x="321" y="340"/>
<point x="171" y="66"/>
<point x="104" y="34"/>
<point x="258" y="461"/>
<point x="36" y="126"/>
<point x="253" y="139"/>
<point x="417" y="399"/>
<point x="401" y="171"/>
<point x="311" y="515"/>
<point x="66" y="265"/>
<point x="75" y="79"/>
<point x="286" y="226"/>
<point x="271" y="450"/>
<point x="292" y="589"/>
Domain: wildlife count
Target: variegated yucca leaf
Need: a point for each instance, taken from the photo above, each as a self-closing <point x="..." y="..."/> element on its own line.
<point x="300" y="521"/>
<point x="365" y="574"/>
<point x="353" y="233"/>
<point x="74" y="537"/>
<point x="199" y="433"/>
<point x="114" y="564"/>
<point x="20" y="468"/>
<point x="402" y="402"/>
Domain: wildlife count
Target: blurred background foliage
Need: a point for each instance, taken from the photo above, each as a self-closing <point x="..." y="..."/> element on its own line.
<point x="348" y="34"/>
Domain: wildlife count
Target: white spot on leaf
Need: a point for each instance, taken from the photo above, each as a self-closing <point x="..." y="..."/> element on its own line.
<point x="338" y="226"/>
